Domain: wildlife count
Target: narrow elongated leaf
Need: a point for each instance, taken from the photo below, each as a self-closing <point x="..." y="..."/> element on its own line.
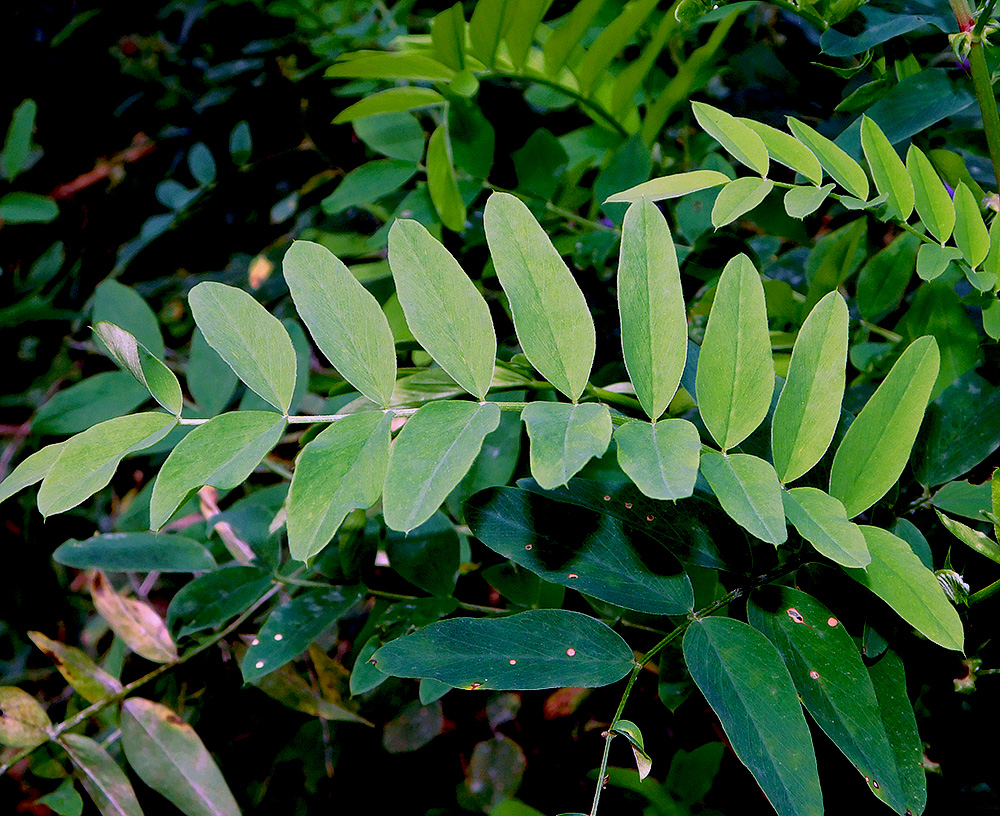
<point x="343" y="318"/>
<point x="87" y="462"/>
<point x="32" y="469"/>
<point x="88" y="679"/>
<point x="103" y="779"/>
<point x="934" y="205"/>
<point x="661" y="458"/>
<point x="586" y="551"/>
<point x="293" y="625"/>
<point x="735" y="378"/>
<point x="889" y="679"/>
<point x="135" y="622"/>
<point x="888" y="170"/>
<point x="138" y="361"/>
<point x="612" y="40"/>
<point x="739" y="197"/>
<point x="342" y="469"/>
<point x="171" y="758"/>
<point x="441" y="183"/>
<point x="17" y="145"/>
<point x="489" y="23"/>
<point x="971" y="235"/>
<point x="567" y="36"/>
<point x="831" y="680"/>
<point x="432" y="453"/>
<point x="135" y="552"/>
<point x="876" y="447"/>
<point x="788" y="150"/>
<point x="444" y="310"/>
<point x="394" y="100"/>
<point x="651" y="304"/>
<point x="448" y="36"/>
<point x="564" y="438"/>
<point x="526" y="18"/>
<point x="252" y="341"/>
<point x="392" y="65"/>
<point x="980" y="542"/>
<point x="898" y="577"/>
<point x="23" y="721"/>
<point x="822" y="521"/>
<point x="803" y="201"/>
<point x="808" y="408"/>
<point x="748" y="490"/>
<point x="222" y="453"/>
<point x="883" y="280"/>
<point x="545" y="648"/>
<point x="551" y="317"/>
<point x="740" y="141"/>
<point x="745" y="681"/>
<point x="673" y="186"/>
<point x="841" y="167"/>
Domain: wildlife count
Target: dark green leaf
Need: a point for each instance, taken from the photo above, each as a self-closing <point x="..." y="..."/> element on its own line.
<point x="209" y="378"/>
<point x="125" y="307"/>
<point x="834" y="259"/>
<point x="879" y="26"/>
<point x="564" y="438"/>
<point x="213" y="599"/>
<point x="396" y="135"/>
<point x="91" y="401"/>
<point x="201" y="164"/>
<point x="366" y="184"/>
<point x="748" y="490"/>
<point x="64" y="800"/>
<point x="17" y="145"/>
<point x="919" y="101"/>
<point x="441" y="181"/>
<point x="882" y="281"/>
<point x="135" y="552"/>
<point x="981" y="543"/>
<point x="427" y="556"/>
<point x="27" y="208"/>
<point x="240" y="144"/>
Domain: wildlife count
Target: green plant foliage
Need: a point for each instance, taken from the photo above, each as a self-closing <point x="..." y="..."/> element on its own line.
<point x="564" y="438"/>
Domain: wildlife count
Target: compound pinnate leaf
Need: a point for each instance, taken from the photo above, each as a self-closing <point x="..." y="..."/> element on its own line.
<point x="135" y="552"/>
<point x="170" y="757"/>
<point x="831" y="680"/>
<point x="746" y="683"/>
<point x="808" y="408"/>
<point x="103" y="779"/>
<point x="822" y="521"/>
<point x="32" y="469"/>
<point x="651" y="304"/>
<point x="551" y="317"/>
<point x="540" y="649"/>
<point x="899" y="578"/>
<point x="564" y="438"/>
<point x="584" y="550"/>
<point x="888" y="170"/>
<point x="788" y="150"/>
<point x="735" y="378"/>
<point x="23" y="721"/>
<point x="87" y="462"/>
<point x="740" y="141"/>
<point x="222" y="453"/>
<point x="444" y="310"/>
<point x="841" y="167"/>
<point x="661" y="458"/>
<point x="432" y="453"/>
<point x="342" y="469"/>
<point x="88" y="679"/>
<point x="252" y="341"/>
<point x="748" y="490"/>
<point x="673" y="186"/>
<point x="138" y="361"/>
<point x="738" y="198"/>
<point x="876" y="447"/>
<point x="343" y="318"/>
<point x="135" y="622"/>
<point x="934" y="205"/>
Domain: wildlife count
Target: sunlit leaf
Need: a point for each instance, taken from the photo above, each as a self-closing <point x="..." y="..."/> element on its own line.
<point x="661" y="458"/>
<point x="823" y="522"/>
<point x="564" y="438"/>
<point x="748" y="490"/>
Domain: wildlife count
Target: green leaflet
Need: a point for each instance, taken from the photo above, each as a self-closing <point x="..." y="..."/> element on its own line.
<point x="888" y="170"/>
<point x="102" y="778"/>
<point x="788" y="150"/>
<point x="898" y="577"/>
<point x="428" y="556"/>
<point x="651" y="304"/>
<point x="661" y="458"/>
<point x="123" y="306"/>
<point x="441" y="183"/>
<point x="169" y="756"/>
<point x="88" y="679"/>
<point x="808" y="408"/>
<point x="395" y="135"/>
<point x="673" y="186"/>
<point x="135" y="552"/>
<point x="964" y="499"/>
<point x="614" y="38"/>
<point x="540" y="649"/>
<point x="803" y="201"/>
<point x="394" y="65"/>
<point x="739" y="140"/>
<point x="972" y="538"/>
<point x="432" y="453"/>
<point x="209" y="379"/>
<point x="567" y="36"/>
<point x="841" y="167"/>
<point x="98" y="398"/>
<point x="32" y="469"/>
<point x="444" y="310"/>
<point x="551" y="317"/>
<point x="222" y="452"/>
<point x="489" y="23"/>
<point x="215" y="597"/>
<point x="889" y="680"/>
<point x="831" y="680"/>
<point x="365" y="185"/>
<point x="138" y="361"/>
<point x="934" y="205"/>
<point x="591" y="552"/>
<point x="883" y="280"/>
<point x="524" y="23"/>
<point x="23" y="721"/>
<point x="933" y="260"/>
<point x="252" y="341"/>
<point x="735" y="378"/>
<point x="748" y="490"/>
<point x="88" y="460"/>
<point x="833" y="259"/>
<point x="64" y="800"/>
<point x="340" y="470"/>
<point x="343" y="318"/>
<point x="27" y="208"/>
<point x="970" y="232"/>
<point x="631" y="732"/>
<point x="394" y="100"/>
<point x="876" y="447"/>
<point x="448" y="29"/>
<point x="823" y="522"/>
<point x="564" y="438"/>
<point x="738" y="198"/>
<point x="746" y="683"/>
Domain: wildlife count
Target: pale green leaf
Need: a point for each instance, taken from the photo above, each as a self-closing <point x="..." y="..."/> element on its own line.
<point x="735" y="378"/>
<point x="888" y="170"/>
<point x="343" y="318"/>
<point x="661" y="458"/>
<point x="631" y="732"/>
<point x="32" y="469"/>
<point x="673" y="186"/>
<point x="739" y="197"/>
<point x="252" y="341"/>
<point x="841" y="167"/>
<point x="934" y="205"/>
<point x="135" y="622"/>
<point x="102" y="778"/>
<point x="441" y="182"/>
<point x="391" y="65"/>
<point x="138" y="361"/>
<point x="564" y="438"/>
<point x="739" y="140"/>
<point x="808" y="408"/>
<point x="748" y="490"/>
<point x="551" y="317"/>
<point x="803" y="201"/>
<point x="822" y="521"/>
<point x="788" y="150"/>
<point x="222" y="452"/>
<point x="970" y="232"/>
<point x="876" y="447"/>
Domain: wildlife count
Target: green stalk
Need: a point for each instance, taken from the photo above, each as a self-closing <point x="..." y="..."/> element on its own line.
<point x="987" y="102"/>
